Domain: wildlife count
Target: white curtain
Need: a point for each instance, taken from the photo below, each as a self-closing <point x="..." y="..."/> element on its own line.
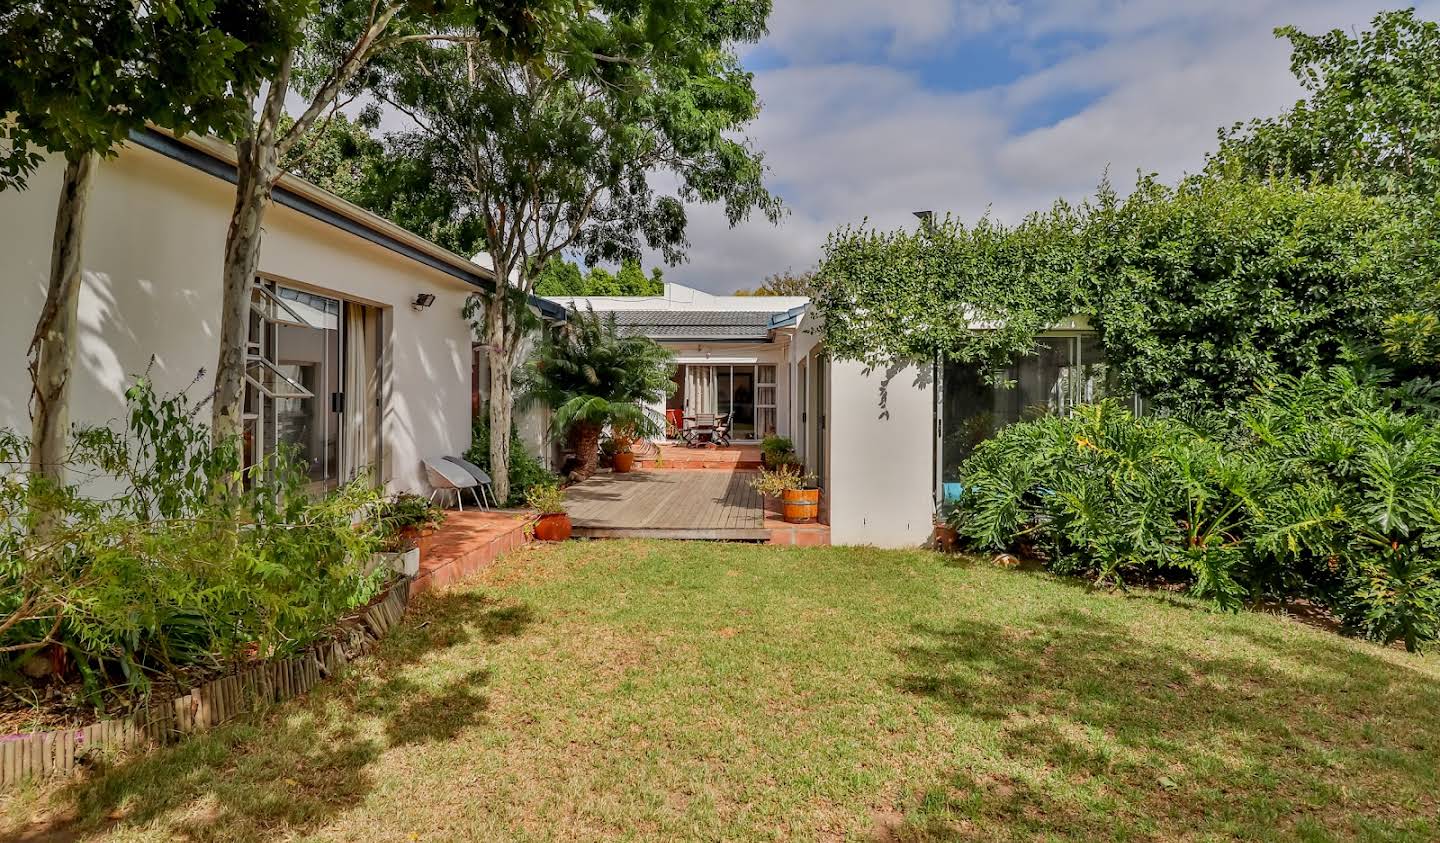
<point x="361" y="385"/>
<point x="699" y="389"/>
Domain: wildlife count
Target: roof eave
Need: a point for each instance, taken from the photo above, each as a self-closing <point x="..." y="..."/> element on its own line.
<point x="218" y="159"/>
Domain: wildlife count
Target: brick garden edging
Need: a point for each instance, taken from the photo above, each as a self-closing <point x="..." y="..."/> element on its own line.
<point x="58" y="752"/>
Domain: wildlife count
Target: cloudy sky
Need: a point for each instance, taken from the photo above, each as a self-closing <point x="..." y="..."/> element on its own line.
<point x="876" y="108"/>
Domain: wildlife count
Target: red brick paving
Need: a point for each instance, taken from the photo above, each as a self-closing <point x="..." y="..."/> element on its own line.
<point x="467" y="542"/>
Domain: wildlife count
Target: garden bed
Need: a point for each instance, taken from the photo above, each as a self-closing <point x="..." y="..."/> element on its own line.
<point x="188" y="701"/>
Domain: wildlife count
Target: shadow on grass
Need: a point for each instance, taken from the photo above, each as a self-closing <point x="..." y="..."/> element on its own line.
<point x="1102" y="733"/>
<point x="291" y="769"/>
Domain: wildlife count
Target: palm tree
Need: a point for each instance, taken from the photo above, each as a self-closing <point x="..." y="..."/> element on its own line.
<point x="593" y="377"/>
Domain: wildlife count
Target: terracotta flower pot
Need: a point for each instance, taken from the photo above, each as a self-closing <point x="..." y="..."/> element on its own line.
<point x="946" y="537"/>
<point x="801" y="506"/>
<point x="623" y="462"/>
<point x="554" y="527"/>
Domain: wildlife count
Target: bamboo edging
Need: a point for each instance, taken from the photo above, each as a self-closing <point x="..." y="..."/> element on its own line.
<point x="61" y="752"/>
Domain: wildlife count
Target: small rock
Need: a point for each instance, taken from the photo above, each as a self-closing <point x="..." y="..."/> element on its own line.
<point x="1005" y="560"/>
<point x="38" y="668"/>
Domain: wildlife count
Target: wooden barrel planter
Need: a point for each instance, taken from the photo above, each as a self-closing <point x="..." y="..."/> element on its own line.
<point x="801" y="506"/>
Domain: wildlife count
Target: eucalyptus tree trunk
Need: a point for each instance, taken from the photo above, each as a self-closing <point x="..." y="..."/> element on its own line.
<point x="500" y="357"/>
<point x="52" y="348"/>
<point x="256" y="171"/>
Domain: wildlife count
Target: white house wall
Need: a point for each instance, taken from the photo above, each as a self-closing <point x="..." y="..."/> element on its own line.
<point x="152" y="257"/>
<point x="880" y="454"/>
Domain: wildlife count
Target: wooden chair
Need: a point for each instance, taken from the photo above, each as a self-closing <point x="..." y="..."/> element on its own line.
<point x="700" y="429"/>
<point x="721" y="434"/>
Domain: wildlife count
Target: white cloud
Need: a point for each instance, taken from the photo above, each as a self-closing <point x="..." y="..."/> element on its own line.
<point x="851" y="133"/>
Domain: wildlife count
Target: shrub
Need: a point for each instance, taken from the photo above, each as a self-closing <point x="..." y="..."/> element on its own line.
<point x="191" y="560"/>
<point x="774" y="483"/>
<point x="526" y="469"/>
<point x="777" y="451"/>
<point x="1322" y="486"/>
<point x="547" y="500"/>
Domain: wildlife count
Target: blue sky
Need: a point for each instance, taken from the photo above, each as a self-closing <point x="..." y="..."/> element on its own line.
<point x="874" y="109"/>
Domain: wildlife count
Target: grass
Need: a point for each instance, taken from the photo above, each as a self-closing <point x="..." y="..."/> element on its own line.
<point x="681" y="691"/>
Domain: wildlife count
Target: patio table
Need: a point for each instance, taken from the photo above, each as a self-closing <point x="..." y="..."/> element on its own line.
<point x="698" y="433"/>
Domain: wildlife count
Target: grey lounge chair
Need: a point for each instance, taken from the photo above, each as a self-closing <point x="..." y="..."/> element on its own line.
<point x="482" y="482"/>
<point x="446" y="476"/>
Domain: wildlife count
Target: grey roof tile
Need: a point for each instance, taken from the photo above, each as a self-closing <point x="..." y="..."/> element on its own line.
<point x="695" y="324"/>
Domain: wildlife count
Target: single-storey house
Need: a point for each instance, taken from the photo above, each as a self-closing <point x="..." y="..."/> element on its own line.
<point x="359" y="356"/>
<point x="358" y="352"/>
<point x="885" y="444"/>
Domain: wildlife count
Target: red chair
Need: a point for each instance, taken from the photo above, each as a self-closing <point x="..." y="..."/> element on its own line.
<point x="674" y="423"/>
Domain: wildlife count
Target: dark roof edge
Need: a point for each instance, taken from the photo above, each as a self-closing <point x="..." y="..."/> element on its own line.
<point x="206" y="163"/>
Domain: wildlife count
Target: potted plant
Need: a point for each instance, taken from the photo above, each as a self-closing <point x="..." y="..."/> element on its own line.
<point x="777" y="451"/>
<point x="622" y="458"/>
<point x="946" y="536"/>
<point x="553" y="525"/>
<point x="402" y="521"/>
<point x="799" y="496"/>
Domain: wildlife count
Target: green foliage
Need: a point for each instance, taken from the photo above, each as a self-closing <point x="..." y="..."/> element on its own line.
<point x="1198" y="292"/>
<point x="592" y="377"/>
<point x="179" y="566"/>
<point x="1361" y="461"/>
<point x="76" y="76"/>
<point x="1322" y="486"/>
<point x="777" y="451"/>
<point x="1371" y="115"/>
<point x="888" y="296"/>
<point x="526" y="469"/>
<point x="546" y="499"/>
<point x="567" y="153"/>
<point x="399" y="517"/>
<point x="787" y="283"/>
<point x="563" y="278"/>
<point x="1203" y="291"/>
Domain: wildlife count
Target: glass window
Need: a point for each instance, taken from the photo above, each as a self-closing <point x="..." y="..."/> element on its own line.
<point x="293" y="370"/>
<point x="1063" y="372"/>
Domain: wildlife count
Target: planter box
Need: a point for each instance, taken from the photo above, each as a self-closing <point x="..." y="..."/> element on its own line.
<point x="406" y="562"/>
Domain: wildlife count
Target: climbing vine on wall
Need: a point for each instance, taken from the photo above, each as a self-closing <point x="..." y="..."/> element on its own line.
<point x="917" y="294"/>
<point x="1198" y="291"/>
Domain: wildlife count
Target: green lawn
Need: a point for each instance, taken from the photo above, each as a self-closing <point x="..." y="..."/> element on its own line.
<point x="666" y="691"/>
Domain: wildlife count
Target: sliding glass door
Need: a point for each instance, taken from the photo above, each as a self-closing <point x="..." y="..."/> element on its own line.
<point x="746" y="392"/>
<point x="1062" y="373"/>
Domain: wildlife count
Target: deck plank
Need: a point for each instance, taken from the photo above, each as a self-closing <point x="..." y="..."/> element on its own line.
<point x="711" y="504"/>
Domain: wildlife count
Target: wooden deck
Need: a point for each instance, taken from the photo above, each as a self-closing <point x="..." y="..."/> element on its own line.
<point x="662" y="504"/>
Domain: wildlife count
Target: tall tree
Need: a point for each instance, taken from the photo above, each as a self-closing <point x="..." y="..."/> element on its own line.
<point x="1372" y="116"/>
<point x="1371" y="112"/>
<point x="77" y="76"/>
<point x="330" y="46"/>
<point x="535" y="164"/>
<point x="787" y="283"/>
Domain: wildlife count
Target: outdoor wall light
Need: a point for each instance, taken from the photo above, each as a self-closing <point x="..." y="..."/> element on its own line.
<point x="423" y="301"/>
